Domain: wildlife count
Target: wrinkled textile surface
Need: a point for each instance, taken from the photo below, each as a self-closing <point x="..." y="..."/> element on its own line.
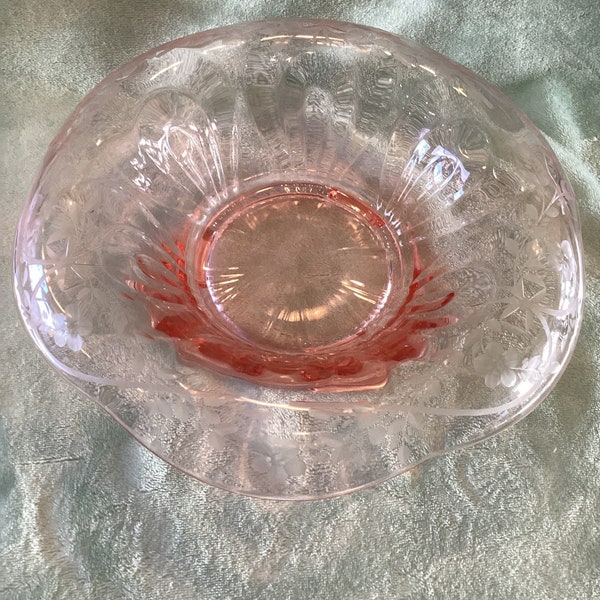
<point x="86" y="512"/>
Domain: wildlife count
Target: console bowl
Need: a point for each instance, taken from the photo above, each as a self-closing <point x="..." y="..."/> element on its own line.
<point x="295" y="258"/>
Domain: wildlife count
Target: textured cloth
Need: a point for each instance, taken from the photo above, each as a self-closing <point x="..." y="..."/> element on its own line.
<point x="86" y="512"/>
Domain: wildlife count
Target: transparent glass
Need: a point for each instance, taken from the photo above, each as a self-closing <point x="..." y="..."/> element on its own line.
<point x="296" y="258"/>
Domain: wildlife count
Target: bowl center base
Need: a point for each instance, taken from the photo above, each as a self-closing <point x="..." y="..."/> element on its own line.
<point x="298" y="285"/>
<point x="298" y="270"/>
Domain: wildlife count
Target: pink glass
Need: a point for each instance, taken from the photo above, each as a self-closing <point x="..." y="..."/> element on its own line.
<point x="296" y="258"/>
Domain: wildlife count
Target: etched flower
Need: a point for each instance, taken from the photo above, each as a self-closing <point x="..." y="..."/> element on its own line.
<point x="497" y="365"/>
<point x="567" y="264"/>
<point x="276" y="461"/>
<point x="63" y="335"/>
<point x="68" y="329"/>
<point x="535" y="367"/>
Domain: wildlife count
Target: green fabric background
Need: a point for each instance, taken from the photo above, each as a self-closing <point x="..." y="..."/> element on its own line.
<point x="86" y="512"/>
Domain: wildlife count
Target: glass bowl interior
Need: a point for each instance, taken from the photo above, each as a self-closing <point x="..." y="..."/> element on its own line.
<point x="297" y="258"/>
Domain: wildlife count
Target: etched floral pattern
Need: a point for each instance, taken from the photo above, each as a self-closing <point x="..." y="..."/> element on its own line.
<point x="497" y="365"/>
<point x="478" y="206"/>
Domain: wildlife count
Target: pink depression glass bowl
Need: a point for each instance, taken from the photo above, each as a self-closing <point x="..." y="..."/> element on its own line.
<point x="297" y="258"/>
